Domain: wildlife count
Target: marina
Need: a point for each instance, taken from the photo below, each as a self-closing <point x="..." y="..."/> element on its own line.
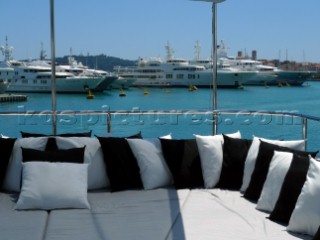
<point x="218" y="148"/>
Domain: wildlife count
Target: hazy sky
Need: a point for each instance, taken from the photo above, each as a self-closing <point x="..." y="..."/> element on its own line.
<point x="131" y="29"/>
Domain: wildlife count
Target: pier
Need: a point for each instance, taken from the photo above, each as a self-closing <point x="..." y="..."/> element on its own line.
<point x="13" y="98"/>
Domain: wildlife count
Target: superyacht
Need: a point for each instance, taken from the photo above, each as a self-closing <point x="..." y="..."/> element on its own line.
<point x="176" y="72"/>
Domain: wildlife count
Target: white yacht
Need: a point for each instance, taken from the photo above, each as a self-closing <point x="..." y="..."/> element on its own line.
<point x="78" y="69"/>
<point x="257" y="77"/>
<point x="294" y="78"/>
<point x="34" y="78"/>
<point x="175" y="72"/>
<point x="27" y="78"/>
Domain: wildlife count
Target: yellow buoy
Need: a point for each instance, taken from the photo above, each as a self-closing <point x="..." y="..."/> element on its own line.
<point x="145" y="92"/>
<point x="192" y="88"/>
<point x="90" y="94"/>
<point x="279" y="84"/>
<point x="287" y="84"/>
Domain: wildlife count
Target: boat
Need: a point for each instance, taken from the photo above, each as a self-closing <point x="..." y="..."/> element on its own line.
<point x="122" y="82"/>
<point x="285" y="77"/>
<point x="27" y="77"/>
<point x="78" y="69"/>
<point x="177" y="72"/>
<point x="224" y="63"/>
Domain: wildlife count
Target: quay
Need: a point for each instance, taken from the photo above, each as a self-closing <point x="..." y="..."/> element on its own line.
<point x="13" y="98"/>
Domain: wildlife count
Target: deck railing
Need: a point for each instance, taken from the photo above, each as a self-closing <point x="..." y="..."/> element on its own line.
<point x="138" y="116"/>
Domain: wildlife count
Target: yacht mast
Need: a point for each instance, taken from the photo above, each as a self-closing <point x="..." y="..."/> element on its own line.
<point x="197" y="51"/>
<point x="169" y="52"/>
<point x="7" y="51"/>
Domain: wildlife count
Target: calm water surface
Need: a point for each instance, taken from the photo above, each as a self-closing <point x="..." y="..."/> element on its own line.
<point x="305" y="100"/>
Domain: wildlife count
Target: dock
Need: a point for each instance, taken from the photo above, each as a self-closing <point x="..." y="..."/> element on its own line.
<point x="13" y="98"/>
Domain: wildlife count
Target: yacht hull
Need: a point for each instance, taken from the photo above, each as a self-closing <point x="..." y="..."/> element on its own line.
<point x="225" y="79"/>
<point x="68" y="85"/>
<point x="293" y="78"/>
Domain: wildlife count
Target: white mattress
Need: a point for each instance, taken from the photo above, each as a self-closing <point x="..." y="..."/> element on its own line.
<point x="20" y="225"/>
<point x="146" y="215"/>
<point x="132" y="215"/>
<point x="219" y="214"/>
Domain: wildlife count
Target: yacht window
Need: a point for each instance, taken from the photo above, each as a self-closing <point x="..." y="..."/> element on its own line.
<point x="180" y="76"/>
<point x="25" y="81"/>
<point x="43" y="81"/>
<point x="191" y="76"/>
<point x="169" y="76"/>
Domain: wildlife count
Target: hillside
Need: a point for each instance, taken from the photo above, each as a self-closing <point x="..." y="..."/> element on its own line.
<point x="102" y="61"/>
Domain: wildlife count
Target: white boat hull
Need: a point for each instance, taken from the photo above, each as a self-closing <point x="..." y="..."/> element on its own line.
<point x="3" y="86"/>
<point x="65" y="85"/>
<point x="225" y="79"/>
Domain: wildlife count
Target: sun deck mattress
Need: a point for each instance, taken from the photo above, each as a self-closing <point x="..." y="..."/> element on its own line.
<point x="123" y="215"/>
<point x="219" y="214"/>
<point x="20" y="225"/>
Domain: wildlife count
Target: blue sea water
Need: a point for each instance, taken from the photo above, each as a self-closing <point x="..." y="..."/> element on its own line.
<point x="304" y="100"/>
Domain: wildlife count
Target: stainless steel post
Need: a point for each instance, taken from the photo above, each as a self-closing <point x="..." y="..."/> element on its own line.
<point x="53" y="67"/>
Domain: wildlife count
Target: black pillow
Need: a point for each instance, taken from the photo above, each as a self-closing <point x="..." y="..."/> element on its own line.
<point x="317" y="236"/>
<point x="51" y="144"/>
<point x="234" y="156"/>
<point x="6" y="146"/>
<point x="84" y="134"/>
<point x="291" y="189"/>
<point x="260" y="172"/>
<point x="182" y="157"/>
<point x="73" y="155"/>
<point x="122" y="167"/>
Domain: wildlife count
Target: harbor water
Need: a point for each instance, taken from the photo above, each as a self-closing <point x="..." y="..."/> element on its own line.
<point x="302" y="100"/>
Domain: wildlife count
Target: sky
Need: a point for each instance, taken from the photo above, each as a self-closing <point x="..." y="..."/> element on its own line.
<point x="130" y="29"/>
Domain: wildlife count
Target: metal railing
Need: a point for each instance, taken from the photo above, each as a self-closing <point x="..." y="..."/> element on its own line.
<point x="213" y="118"/>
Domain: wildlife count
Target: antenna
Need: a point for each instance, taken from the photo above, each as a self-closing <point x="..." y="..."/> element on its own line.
<point x="43" y="54"/>
<point x="197" y="51"/>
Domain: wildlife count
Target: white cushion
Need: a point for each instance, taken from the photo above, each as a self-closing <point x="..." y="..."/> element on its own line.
<point x="154" y="171"/>
<point x="93" y="155"/>
<point x="253" y="153"/>
<point x="278" y="169"/>
<point x="53" y="185"/>
<point x="211" y="157"/>
<point x="306" y="215"/>
<point x="12" y="181"/>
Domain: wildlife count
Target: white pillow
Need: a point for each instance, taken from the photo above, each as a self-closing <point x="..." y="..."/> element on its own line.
<point x="306" y="215"/>
<point x="93" y="155"/>
<point x="154" y="171"/>
<point x="12" y="181"/>
<point x="253" y="153"/>
<point x="211" y="157"/>
<point x="53" y="185"/>
<point x="278" y="169"/>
